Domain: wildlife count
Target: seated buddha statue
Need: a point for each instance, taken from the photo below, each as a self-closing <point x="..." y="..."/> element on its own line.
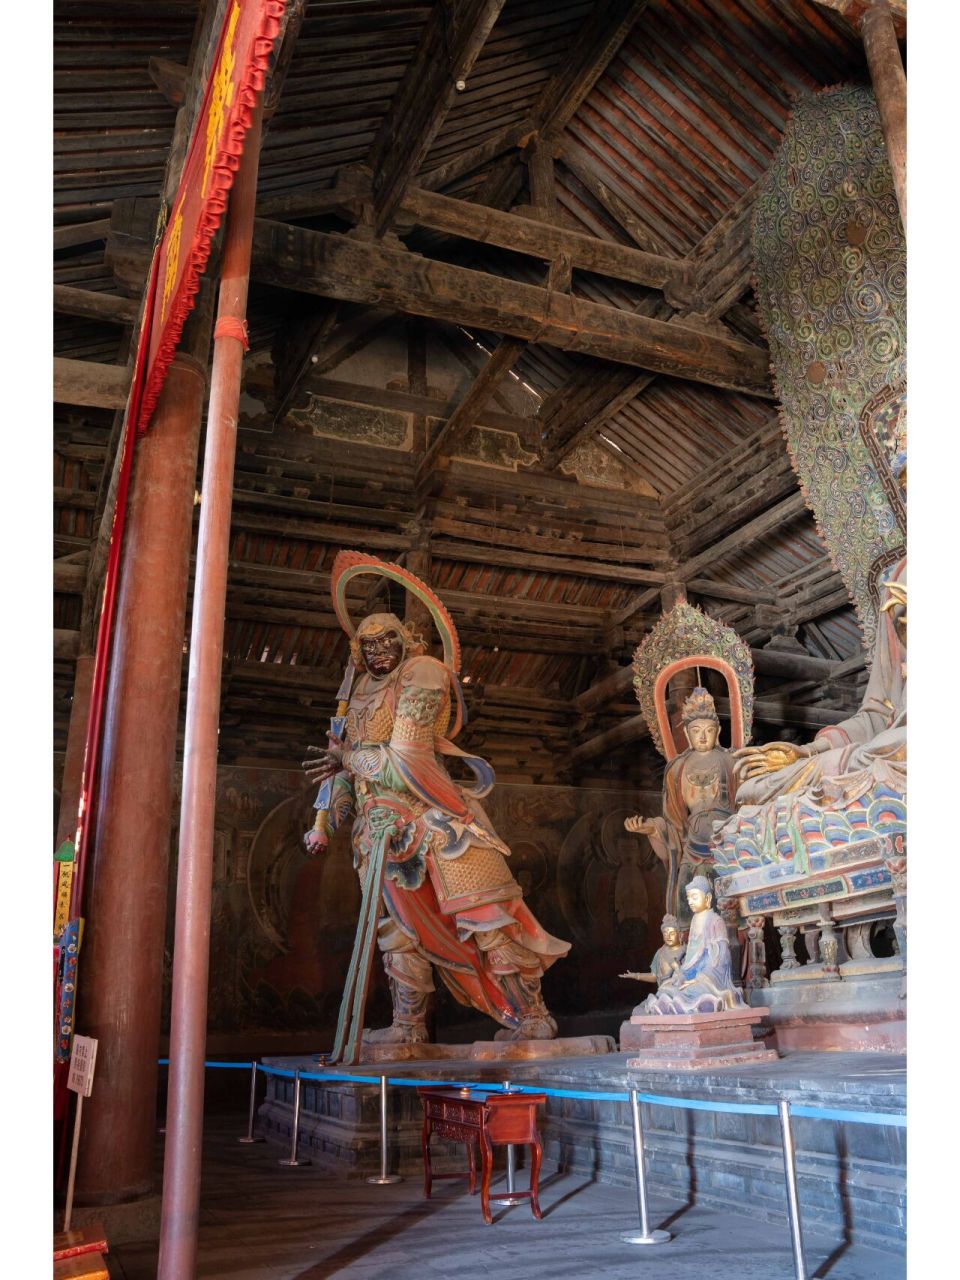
<point x="703" y="982"/>
<point x="847" y="784"/>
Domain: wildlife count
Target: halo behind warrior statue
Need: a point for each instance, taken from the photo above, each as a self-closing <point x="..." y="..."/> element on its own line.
<point x="449" y="901"/>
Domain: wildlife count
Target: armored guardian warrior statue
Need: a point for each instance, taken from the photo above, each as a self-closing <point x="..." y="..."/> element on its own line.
<point x="449" y="901"/>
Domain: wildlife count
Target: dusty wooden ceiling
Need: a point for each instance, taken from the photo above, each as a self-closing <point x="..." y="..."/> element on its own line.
<point x="565" y="489"/>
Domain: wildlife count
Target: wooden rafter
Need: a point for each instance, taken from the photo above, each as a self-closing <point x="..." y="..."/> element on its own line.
<point x="468" y="410"/>
<point x="453" y="37"/>
<point x="595" y="46"/>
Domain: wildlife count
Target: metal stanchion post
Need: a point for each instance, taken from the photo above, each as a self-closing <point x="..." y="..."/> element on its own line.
<point x="248" y="1137"/>
<point x="293" y="1162"/>
<point x="644" y="1235"/>
<point x="793" y="1200"/>
<point x="384" y="1177"/>
<point x="511" y="1157"/>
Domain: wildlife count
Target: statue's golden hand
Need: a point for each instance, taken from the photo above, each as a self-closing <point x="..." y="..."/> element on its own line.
<point x="639" y="825"/>
<point x="754" y="762"/>
<point x="325" y="762"/>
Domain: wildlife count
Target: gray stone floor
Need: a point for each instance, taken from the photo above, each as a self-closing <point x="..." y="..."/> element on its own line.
<point x="263" y="1222"/>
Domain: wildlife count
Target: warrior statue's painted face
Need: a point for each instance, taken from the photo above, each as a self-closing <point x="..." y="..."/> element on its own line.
<point x="702" y="734"/>
<point x="381" y="653"/>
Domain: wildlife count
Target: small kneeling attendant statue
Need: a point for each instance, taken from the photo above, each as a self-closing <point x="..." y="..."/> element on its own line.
<point x="666" y="959"/>
<point x="703" y="982"/>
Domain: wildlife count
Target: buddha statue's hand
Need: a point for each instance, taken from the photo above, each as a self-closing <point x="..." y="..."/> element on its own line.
<point x="639" y="825"/>
<point x="754" y="762"/>
<point x="325" y="763"/>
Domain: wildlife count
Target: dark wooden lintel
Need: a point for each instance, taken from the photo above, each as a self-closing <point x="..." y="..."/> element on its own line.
<point x="340" y="267"/>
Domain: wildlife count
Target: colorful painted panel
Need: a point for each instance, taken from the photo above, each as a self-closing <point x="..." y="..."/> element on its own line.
<point x="831" y="284"/>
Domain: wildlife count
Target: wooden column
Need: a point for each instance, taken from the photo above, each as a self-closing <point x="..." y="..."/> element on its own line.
<point x="418" y="561"/>
<point x="122" y="955"/>
<point x="181" y="1171"/>
<point x="890" y="87"/>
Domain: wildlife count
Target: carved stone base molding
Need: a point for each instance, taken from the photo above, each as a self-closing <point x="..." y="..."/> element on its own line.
<point x="694" y="1041"/>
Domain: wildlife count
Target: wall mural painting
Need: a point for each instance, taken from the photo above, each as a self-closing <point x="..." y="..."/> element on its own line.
<point x="830" y="258"/>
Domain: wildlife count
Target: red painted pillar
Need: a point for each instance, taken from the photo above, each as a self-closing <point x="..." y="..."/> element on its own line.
<point x="191" y="957"/>
<point x="122" y="952"/>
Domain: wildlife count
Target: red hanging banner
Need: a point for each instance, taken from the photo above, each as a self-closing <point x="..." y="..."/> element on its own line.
<point x="249" y="30"/>
<point x="242" y="58"/>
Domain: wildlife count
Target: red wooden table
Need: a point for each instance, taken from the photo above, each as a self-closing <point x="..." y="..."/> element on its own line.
<point x="490" y="1119"/>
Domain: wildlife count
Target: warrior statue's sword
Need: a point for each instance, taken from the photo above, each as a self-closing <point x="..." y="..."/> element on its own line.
<point x="335" y="737"/>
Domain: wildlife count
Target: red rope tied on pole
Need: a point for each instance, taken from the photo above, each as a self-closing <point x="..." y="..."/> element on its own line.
<point x="232" y="327"/>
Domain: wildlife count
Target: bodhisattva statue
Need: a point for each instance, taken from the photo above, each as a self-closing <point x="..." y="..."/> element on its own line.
<point x="845" y="764"/>
<point x="449" y="900"/>
<point x="666" y="959"/>
<point x="698" y="791"/>
<point x="703" y="982"/>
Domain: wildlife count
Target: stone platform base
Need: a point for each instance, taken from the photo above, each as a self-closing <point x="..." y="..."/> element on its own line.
<point x="851" y="1176"/>
<point x="694" y="1041"/>
<point x="490" y="1050"/>
<point x="857" y="1012"/>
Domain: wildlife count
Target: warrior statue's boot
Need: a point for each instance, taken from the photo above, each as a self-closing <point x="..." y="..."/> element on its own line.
<point x="536" y="1021"/>
<point x="411" y="982"/>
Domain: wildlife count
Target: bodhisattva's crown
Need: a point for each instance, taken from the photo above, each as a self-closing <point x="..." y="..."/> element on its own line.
<point x="699" y="706"/>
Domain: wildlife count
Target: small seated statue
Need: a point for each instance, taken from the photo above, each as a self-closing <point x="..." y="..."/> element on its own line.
<point x="703" y="982"/>
<point x="666" y="959"/>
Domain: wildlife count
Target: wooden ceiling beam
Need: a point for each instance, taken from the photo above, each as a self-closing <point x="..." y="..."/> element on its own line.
<point x="92" y="305"/>
<point x="542" y="240"/>
<point x="339" y="267"/>
<point x="82" y="382"/>
<point x="451" y="41"/>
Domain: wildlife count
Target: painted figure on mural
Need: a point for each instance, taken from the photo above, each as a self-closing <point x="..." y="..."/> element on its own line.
<point x="698" y="791"/>
<point x="450" y="902"/>
<point x="845" y="762"/>
<point x="703" y="982"/>
<point x="666" y="959"/>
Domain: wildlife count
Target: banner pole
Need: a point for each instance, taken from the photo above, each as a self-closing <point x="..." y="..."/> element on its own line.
<point x="191" y="960"/>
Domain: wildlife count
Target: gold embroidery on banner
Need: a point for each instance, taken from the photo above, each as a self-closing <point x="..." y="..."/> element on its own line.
<point x="172" y="260"/>
<point x="221" y="97"/>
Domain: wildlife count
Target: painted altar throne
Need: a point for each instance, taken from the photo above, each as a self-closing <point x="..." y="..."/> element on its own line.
<point x="818" y="844"/>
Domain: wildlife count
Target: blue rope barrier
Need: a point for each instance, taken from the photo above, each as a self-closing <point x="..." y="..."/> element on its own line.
<point x="239" y="1066"/>
<point x="701" y="1104"/>
<point x="857" y="1117"/>
<point x="895" y="1120"/>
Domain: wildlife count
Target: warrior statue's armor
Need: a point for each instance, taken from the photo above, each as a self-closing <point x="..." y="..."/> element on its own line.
<point x="450" y="900"/>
